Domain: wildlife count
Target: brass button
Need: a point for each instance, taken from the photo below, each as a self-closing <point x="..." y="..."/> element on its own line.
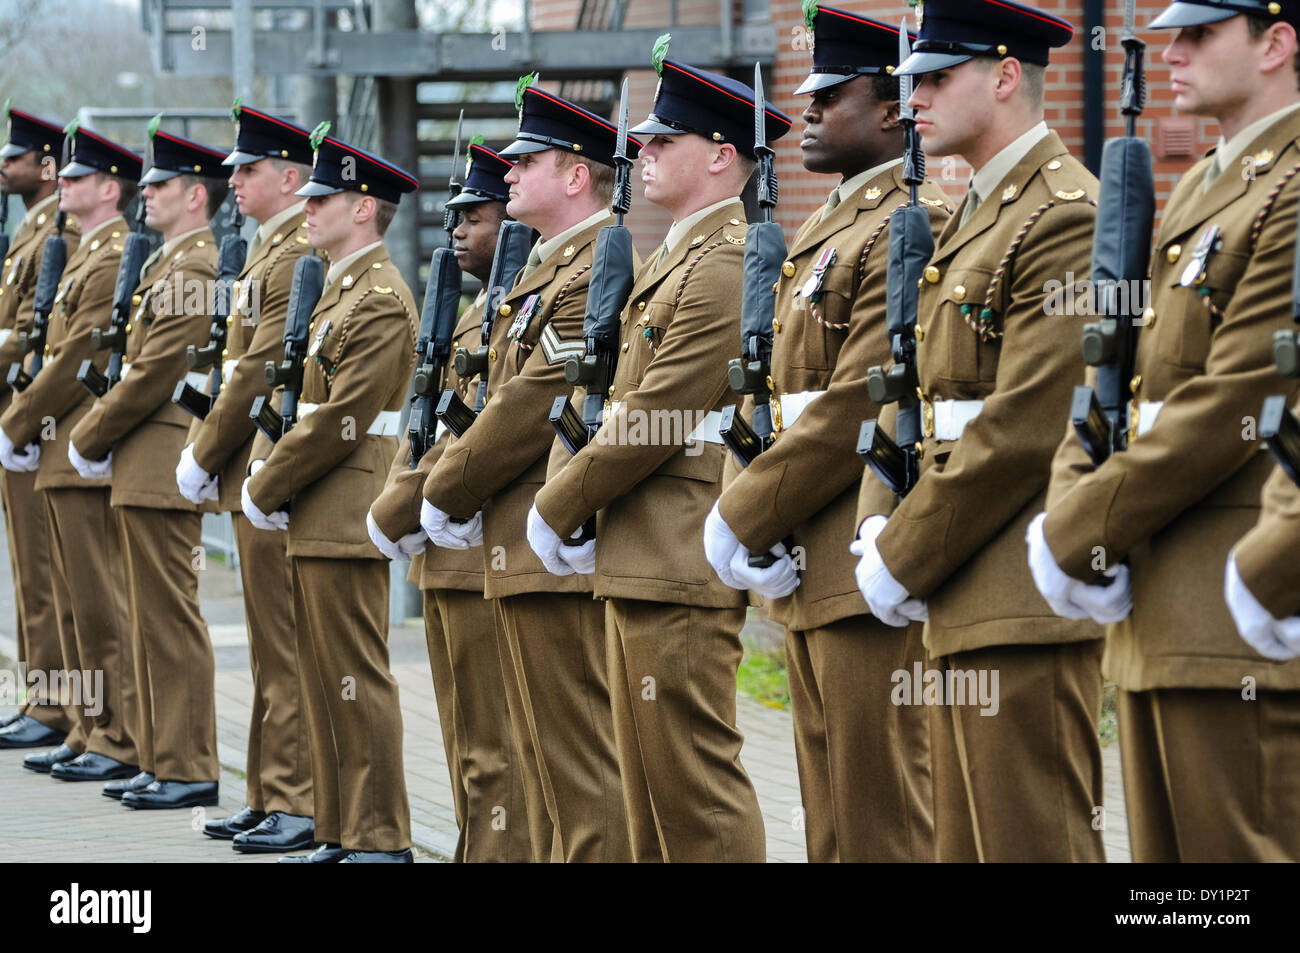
<point x="776" y="325"/>
<point x="776" y="284"/>
<point x="931" y="274"/>
<point x="624" y="347"/>
<point x="611" y="390"/>
<point x="230" y="321"/>
<point x="1054" y="165"/>
<point x="1149" y="315"/>
<point x="640" y="305"/>
<point x="128" y="329"/>
<point x="1135" y="384"/>
<point x="644" y="321"/>
<point x="492" y="354"/>
<point x="1174" y="252"/>
<point x="920" y="335"/>
<point x="225" y="353"/>
<point x="788" y="269"/>
<point x="505" y="310"/>
<point x="918" y="282"/>
<point x="311" y="326"/>
<point x="959" y="292"/>
<point x="136" y="299"/>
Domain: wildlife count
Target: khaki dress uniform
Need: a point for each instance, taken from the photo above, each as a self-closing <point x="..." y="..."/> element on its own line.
<point x="672" y="627"/>
<point x="329" y="468"/>
<point x="279" y="763"/>
<point x="26" y="520"/>
<point x="86" y="553"/>
<point x="160" y="531"/>
<point x="1207" y="725"/>
<point x="563" y="729"/>
<point x="864" y="763"/>
<point x="469" y="672"/>
<point x="957" y="539"/>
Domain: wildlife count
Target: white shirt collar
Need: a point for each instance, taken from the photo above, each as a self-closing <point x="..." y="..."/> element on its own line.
<point x="985" y="180"/>
<point x="549" y="247"/>
<point x="1228" y="151"/>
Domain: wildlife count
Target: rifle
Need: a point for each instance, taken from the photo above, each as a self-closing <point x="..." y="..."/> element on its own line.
<point x="54" y="257"/>
<point x="135" y="252"/>
<point x="230" y="263"/>
<point x="1277" y="425"/>
<point x="4" y="225"/>
<point x="437" y="324"/>
<point x="611" y="283"/>
<point x="897" y="462"/>
<point x="514" y="241"/>
<point x="1120" y="254"/>
<point x="304" y="294"/>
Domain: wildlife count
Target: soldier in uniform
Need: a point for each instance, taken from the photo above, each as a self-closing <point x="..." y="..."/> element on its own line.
<point x="1263" y="575"/>
<point x="1207" y="726"/>
<point x="98" y="183"/>
<point x="996" y="369"/>
<point x="459" y="624"/>
<point x="687" y="795"/>
<point x="132" y="434"/>
<point x="561" y="185"/>
<point x="271" y="160"/>
<point x="29" y="162"/>
<point x="329" y="468"/>
<point x="854" y="747"/>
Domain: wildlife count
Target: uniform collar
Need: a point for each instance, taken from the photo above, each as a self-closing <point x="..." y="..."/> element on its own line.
<point x="849" y="186"/>
<point x="549" y="247"/>
<point x="172" y="244"/>
<point x="44" y="205"/>
<point x="272" y="224"/>
<point x="680" y="230"/>
<point x="984" y="181"/>
<point x="337" y="269"/>
<point x="88" y="237"/>
<point x="1228" y="150"/>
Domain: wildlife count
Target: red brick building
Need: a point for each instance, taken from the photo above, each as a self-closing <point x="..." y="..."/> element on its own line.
<point x="1176" y="141"/>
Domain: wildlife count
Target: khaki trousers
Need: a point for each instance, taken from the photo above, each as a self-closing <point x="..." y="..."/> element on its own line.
<point x="864" y="762"/>
<point x="279" y="759"/>
<point x="673" y="689"/>
<point x="177" y="735"/>
<point x="96" y="640"/>
<point x="1023" y="784"/>
<point x="354" y="716"/>
<point x="557" y="644"/>
<point x="1210" y="775"/>
<point x="460" y="628"/>
<point x="28" y="528"/>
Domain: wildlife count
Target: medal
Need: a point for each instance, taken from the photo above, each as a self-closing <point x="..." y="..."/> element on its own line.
<point x="1206" y="245"/>
<point x="319" y="339"/>
<point x="814" y="282"/>
<point x="526" y="311"/>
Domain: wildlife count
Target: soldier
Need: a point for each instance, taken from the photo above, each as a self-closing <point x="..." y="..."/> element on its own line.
<point x="132" y="434"/>
<point x="271" y="160"/>
<point x="996" y="370"/>
<point x="1207" y="726"/>
<point x="1263" y="575"/>
<point x="561" y="185"/>
<point x="98" y="184"/>
<point x="29" y="162"/>
<point x="853" y="746"/>
<point x="687" y="795"/>
<point x="459" y="624"/>
<point x="330" y="467"/>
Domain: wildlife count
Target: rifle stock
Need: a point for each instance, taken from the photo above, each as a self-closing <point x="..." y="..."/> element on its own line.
<point x="304" y="293"/>
<point x="135" y="252"/>
<point x="54" y="258"/>
<point x="437" y="326"/>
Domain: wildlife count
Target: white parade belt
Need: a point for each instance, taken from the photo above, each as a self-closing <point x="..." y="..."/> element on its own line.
<point x="387" y="424"/>
<point x="952" y="416"/>
<point x="793" y="406"/>
<point x="196" y="379"/>
<point x="1148" y="410"/>
<point x="228" y="370"/>
<point x="4" y="335"/>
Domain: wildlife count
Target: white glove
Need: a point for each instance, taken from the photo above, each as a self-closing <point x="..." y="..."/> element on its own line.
<point x="449" y="535"/>
<point x="11" y="459"/>
<point x="1071" y="598"/>
<point x="774" y="582"/>
<point x="195" y="483"/>
<point x="1278" y="639"/>
<point x="582" y="558"/>
<point x="90" y="469"/>
<point x="546" y="543"/>
<point x="720" y="545"/>
<point x="277" y="520"/>
<point x="406" y="547"/>
<point x="885" y="595"/>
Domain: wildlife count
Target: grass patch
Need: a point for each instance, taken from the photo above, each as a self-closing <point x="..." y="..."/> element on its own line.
<point x="762" y="675"/>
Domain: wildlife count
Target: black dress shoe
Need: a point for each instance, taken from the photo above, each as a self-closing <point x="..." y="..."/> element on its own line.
<point x="324" y="854"/>
<point x="169" y="794"/>
<point x="115" y="789"/>
<point x="379" y="857"/>
<point x="42" y="761"/>
<point x="227" y="827"/>
<point x="278" y="834"/>
<point x="26" y="732"/>
<point x="93" y="767"/>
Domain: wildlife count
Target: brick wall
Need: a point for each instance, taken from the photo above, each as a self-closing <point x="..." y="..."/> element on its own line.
<point x="802" y="191"/>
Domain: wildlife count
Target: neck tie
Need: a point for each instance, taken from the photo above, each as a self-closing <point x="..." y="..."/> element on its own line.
<point x="1211" y="173"/>
<point x="253" y="246"/>
<point x="534" y="259"/>
<point x="832" y="201"/>
<point x="968" y="207"/>
<point x="663" y="253"/>
<point x="149" y="262"/>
